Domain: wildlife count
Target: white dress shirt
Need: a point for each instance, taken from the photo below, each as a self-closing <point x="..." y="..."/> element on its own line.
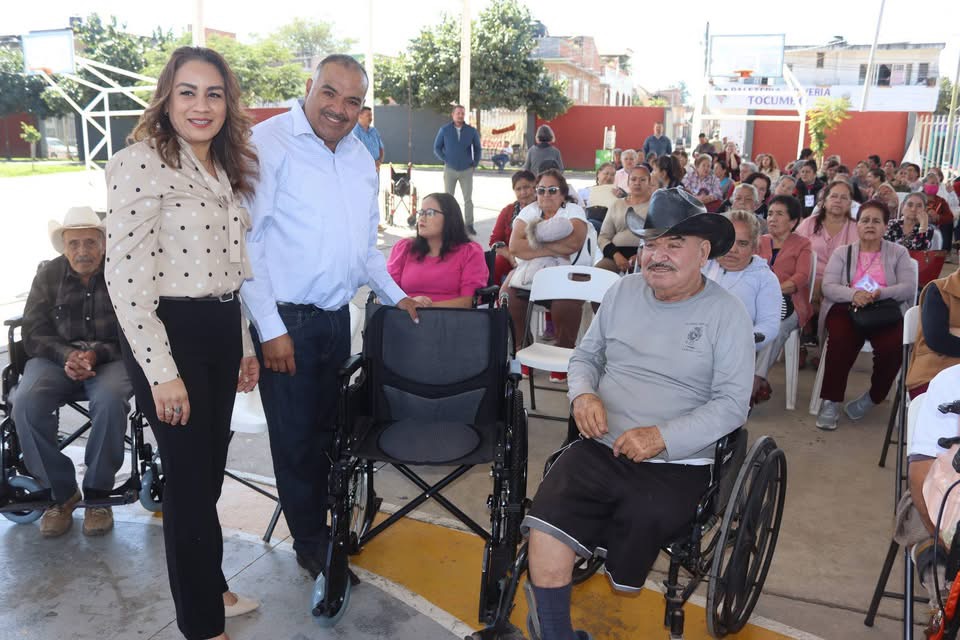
<point x="314" y="215"/>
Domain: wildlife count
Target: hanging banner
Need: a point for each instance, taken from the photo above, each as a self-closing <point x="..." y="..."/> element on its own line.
<point x="902" y="98"/>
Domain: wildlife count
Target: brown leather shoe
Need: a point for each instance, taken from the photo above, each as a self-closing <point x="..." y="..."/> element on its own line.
<point x="58" y="519"/>
<point x="97" y="521"/>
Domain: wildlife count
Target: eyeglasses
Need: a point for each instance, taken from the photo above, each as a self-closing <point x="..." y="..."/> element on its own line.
<point x="545" y="190"/>
<point x="429" y="213"/>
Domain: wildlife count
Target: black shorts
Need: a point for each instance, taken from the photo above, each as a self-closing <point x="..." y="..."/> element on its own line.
<point x="624" y="510"/>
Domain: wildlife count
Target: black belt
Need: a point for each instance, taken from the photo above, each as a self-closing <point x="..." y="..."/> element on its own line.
<point x="230" y="296"/>
<point x="309" y="307"/>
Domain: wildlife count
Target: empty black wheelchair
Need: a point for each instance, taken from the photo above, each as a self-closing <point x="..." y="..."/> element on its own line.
<point x="434" y="393"/>
<point x="22" y="499"/>
<point x="395" y="196"/>
<point x="730" y="542"/>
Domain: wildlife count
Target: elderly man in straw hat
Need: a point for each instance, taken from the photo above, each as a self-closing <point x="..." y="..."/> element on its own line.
<point x="649" y="411"/>
<point x="71" y="336"/>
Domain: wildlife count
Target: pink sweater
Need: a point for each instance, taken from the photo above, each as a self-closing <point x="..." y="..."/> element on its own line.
<point x="460" y="273"/>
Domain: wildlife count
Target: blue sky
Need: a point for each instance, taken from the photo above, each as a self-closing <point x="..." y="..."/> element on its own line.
<point x="667" y="47"/>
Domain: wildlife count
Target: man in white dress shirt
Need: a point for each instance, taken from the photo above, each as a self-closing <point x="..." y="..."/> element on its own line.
<point x="313" y="243"/>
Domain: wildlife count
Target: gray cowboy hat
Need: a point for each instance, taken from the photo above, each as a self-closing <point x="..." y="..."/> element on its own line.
<point x="676" y="212"/>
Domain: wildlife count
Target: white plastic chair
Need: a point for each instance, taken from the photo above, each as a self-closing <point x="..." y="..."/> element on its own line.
<point x="557" y="283"/>
<point x="867" y="348"/>
<point x="791" y="348"/>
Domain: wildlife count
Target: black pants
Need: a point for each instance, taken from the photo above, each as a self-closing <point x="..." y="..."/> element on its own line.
<point x="206" y="345"/>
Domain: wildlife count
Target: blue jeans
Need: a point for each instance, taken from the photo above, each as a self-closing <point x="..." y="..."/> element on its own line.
<point x="301" y="413"/>
<point x="44" y="388"/>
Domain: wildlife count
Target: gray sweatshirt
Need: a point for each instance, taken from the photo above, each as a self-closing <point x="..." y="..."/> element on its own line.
<point x="685" y="367"/>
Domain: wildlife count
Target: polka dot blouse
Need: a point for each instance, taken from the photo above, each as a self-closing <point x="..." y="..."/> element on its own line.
<point x="171" y="231"/>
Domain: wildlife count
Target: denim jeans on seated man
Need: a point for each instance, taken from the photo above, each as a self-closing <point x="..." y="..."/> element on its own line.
<point x="44" y="388"/>
<point x="301" y="416"/>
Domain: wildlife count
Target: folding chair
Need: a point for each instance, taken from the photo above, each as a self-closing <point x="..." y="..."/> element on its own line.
<point x="911" y="330"/>
<point x="560" y="283"/>
<point x="880" y="591"/>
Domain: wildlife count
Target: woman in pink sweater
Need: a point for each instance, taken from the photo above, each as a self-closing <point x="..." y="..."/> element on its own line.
<point x="439" y="267"/>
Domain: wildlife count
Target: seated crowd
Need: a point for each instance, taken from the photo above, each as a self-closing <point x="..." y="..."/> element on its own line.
<point x="724" y="291"/>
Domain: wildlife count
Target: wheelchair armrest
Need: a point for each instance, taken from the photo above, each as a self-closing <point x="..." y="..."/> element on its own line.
<point x="15" y="321"/>
<point x="351" y="365"/>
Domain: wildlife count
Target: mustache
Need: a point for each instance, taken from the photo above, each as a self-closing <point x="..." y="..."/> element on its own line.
<point x="334" y="115"/>
<point x="661" y="265"/>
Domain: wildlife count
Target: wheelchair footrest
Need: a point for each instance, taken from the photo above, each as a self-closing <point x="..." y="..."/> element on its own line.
<point x="504" y="631"/>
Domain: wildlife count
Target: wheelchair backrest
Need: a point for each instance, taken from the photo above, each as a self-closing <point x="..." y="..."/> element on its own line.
<point x="451" y="367"/>
<point x="730" y="454"/>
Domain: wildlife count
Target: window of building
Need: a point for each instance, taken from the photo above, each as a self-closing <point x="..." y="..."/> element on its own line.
<point x="923" y="72"/>
<point x="586" y="92"/>
<point x="863" y="74"/>
<point x="820" y="57"/>
<point x="576" y="89"/>
<point x="898" y="75"/>
<point x="883" y="75"/>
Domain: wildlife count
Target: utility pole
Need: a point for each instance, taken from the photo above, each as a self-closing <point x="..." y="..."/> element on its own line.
<point x="199" y="33"/>
<point x="873" y="52"/>
<point x="368" y="62"/>
<point x="465" y="56"/>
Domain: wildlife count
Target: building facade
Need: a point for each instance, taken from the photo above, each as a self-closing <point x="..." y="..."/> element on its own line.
<point x="588" y="77"/>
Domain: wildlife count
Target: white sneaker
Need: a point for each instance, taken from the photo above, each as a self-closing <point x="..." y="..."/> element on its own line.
<point x="829" y="415"/>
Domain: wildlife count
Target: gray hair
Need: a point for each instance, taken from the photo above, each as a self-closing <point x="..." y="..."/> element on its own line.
<point x="785" y="176"/>
<point x="753" y="191"/>
<point x="746" y="168"/>
<point x="626" y="153"/>
<point x="749" y="218"/>
<point x="345" y="61"/>
<point x="545" y="134"/>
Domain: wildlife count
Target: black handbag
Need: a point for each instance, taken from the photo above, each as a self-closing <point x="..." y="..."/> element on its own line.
<point x="876" y="315"/>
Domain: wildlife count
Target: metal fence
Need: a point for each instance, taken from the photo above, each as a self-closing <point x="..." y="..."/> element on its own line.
<point x="937" y="145"/>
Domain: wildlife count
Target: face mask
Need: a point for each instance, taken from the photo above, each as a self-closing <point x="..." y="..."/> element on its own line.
<point x="931" y="189"/>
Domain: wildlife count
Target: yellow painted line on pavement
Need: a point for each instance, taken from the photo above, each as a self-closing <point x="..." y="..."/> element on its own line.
<point x="443" y="566"/>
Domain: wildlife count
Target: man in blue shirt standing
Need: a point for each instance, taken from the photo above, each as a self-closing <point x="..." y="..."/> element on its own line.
<point x="458" y="148"/>
<point x="312" y="244"/>
<point x="369" y="136"/>
<point x="657" y="143"/>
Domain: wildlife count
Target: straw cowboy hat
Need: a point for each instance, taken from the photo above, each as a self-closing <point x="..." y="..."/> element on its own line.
<point x="76" y="218"/>
<point x="676" y="212"/>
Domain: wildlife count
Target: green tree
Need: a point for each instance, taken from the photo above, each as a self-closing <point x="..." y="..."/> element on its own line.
<point x="265" y="69"/>
<point x="503" y="73"/>
<point x="30" y="135"/>
<point x="824" y="117"/>
<point x="19" y="93"/>
<point x="306" y="39"/>
<point x="943" y="99"/>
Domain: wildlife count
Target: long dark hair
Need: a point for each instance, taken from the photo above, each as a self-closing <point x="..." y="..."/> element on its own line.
<point x="670" y="166"/>
<point x="231" y="146"/>
<point x="454" y="231"/>
<point x="822" y="214"/>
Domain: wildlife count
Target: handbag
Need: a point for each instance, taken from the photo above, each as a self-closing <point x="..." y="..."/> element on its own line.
<point x="876" y="315"/>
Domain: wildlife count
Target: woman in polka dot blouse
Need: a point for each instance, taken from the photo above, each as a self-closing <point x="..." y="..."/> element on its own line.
<point x="175" y="259"/>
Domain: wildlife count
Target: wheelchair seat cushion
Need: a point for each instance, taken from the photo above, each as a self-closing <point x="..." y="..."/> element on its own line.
<point x="428" y="442"/>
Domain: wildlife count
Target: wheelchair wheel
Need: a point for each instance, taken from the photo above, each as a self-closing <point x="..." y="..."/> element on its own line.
<point x="363" y="503"/>
<point x="747" y="538"/>
<point x="151" y="488"/>
<point x="584" y="568"/>
<point x="22" y="487"/>
<point x="325" y="618"/>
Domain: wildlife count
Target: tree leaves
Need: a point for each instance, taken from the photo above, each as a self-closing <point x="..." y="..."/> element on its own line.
<point x="502" y="72"/>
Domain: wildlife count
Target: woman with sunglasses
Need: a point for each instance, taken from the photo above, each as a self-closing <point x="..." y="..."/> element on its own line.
<point x="439" y="267"/>
<point x="552" y="202"/>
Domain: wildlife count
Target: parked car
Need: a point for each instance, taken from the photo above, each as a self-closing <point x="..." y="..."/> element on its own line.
<point x="57" y="148"/>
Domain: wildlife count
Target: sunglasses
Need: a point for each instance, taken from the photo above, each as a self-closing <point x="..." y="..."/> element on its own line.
<point x="545" y="190"/>
<point x="429" y="213"/>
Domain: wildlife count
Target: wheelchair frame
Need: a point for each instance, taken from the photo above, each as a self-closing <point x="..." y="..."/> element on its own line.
<point x="18" y="501"/>
<point x="354" y="503"/>
<point x="735" y="561"/>
<point x="401" y="186"/>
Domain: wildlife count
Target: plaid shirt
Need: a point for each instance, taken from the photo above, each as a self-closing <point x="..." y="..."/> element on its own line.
<point x="62" y="315"/>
